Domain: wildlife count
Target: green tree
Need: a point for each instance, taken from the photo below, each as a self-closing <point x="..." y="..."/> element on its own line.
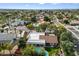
<point x="9" y="47"/>
<point x="68" y="48"/>
<point x="0" y="48"/>
<point x="28" y="50"/>
<point x="66" y="41"/>
<point x="66" y="21"/>
<point x="22" y="43"/>
<point x="59" y="16"/>
<point x="30" y="26"/>
<point x="52" y="27"/>
<point x="4" y="47"/>
<point x="66" y="36"/>
<point x="38" y="29"/>
<point x="46" y="18"/>
<point x="33" y="19"/>
<point x="43" y="26"/>
<point x="58" y="30"/>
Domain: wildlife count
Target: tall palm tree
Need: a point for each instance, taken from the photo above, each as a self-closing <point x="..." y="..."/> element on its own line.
<point x="0" y="50"/>
<point x="4" y="46"/>
<point x="9" y="47"/>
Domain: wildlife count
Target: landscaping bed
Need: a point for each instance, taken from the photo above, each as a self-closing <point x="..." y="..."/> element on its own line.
<point x="52" y="51"/>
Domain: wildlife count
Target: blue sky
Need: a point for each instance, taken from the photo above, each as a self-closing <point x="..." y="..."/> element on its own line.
<point x="39" y="6"/>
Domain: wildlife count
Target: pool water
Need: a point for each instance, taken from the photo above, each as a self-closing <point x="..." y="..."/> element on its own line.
<point x="46" y="53"/>
<point x="38" y="49"/>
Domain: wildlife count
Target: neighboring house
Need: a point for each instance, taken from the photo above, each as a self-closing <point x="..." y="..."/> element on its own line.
<point x="20" y="22"/>
<point x="49" y="31"/>
<point x="6" y="37"/>
<point x="75" y="22"/>
<point x="21" y="30"/>
<point x="7" y="27"/>
<point x="40" y="18"/>
<point x="40" y="39"/>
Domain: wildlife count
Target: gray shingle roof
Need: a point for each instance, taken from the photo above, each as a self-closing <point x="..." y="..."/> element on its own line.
<point x="5" y="36"/>
<point x="23" y="28"/>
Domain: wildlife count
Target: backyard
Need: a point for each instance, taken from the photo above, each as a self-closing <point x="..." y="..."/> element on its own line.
<point x="53" y="51"/>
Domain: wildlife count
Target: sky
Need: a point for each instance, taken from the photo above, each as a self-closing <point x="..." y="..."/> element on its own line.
<point x="39" y="6"/>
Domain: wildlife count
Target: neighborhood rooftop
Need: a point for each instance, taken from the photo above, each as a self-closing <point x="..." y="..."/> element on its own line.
<point x="49" y="39"/>
<point x="7" y="36"/>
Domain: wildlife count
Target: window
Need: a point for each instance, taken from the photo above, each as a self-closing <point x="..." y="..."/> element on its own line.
<point x="52" y="43"/>
<point x="47" y="44"/>
<point x="41" y="45"/>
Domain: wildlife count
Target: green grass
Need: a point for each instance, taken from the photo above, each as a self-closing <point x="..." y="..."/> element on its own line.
<point x="52" y="51"/>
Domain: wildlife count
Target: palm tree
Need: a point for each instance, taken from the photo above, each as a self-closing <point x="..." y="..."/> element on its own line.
<point x="15" y="32"/>
<point x="22" y="43"/>
<point x="4" y="46"/>
<point x="9" y="47"/>
<point x="28" y="50"/>
<point x="0" y="49"/>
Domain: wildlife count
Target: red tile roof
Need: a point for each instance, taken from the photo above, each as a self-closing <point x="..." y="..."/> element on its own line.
<point x="49" y="39"/>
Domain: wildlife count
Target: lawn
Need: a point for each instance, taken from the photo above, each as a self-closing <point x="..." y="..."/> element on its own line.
<point x="53" y="51"/>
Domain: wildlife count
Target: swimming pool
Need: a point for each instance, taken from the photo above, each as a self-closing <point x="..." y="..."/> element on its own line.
<point x="38" y="50"/>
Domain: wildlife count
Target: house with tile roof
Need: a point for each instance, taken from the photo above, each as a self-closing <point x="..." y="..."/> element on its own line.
<point x="40" y="39"/>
